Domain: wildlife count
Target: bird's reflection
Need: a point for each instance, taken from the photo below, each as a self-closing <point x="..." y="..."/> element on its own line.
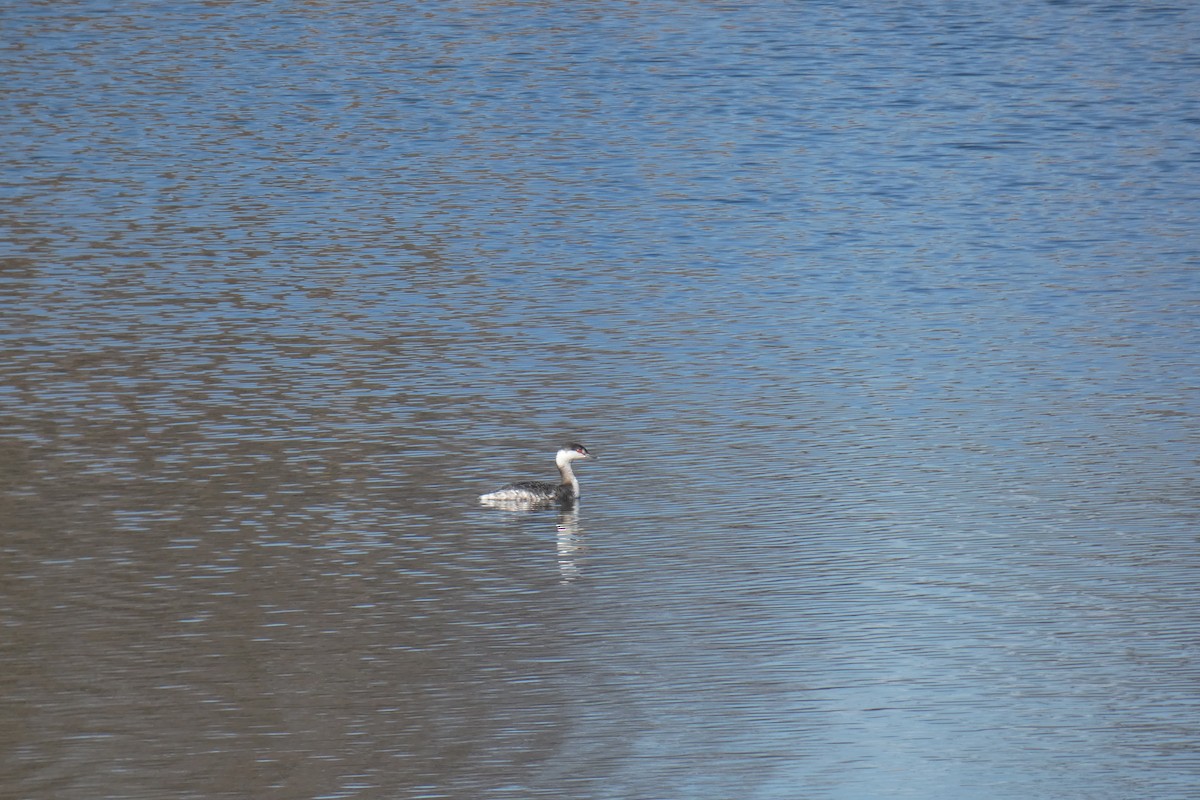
<point x="570" y="544"/>
<point x="568" y="537"/>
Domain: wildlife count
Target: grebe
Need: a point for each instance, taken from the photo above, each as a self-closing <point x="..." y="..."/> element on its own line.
<point x="543" y="492"/>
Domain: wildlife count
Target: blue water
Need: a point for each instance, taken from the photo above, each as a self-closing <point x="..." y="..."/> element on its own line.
<point x="881" y="319"/>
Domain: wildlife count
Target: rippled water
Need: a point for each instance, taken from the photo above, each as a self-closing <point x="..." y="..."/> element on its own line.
<point x="881" y="319"/>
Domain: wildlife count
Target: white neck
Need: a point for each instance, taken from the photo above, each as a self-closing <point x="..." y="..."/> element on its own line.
<point x="563" y="460"/>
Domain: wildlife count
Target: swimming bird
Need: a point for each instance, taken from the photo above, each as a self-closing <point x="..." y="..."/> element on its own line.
<point x="543" y="492"/>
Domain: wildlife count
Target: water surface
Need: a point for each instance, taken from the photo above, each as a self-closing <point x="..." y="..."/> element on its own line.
<point x="880" y="317"/>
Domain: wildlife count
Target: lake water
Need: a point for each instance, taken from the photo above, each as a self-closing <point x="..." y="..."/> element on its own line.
<point x="881" y="318"/>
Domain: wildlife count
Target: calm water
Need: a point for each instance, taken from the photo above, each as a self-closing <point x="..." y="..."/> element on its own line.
<point x="881" y="318"/>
